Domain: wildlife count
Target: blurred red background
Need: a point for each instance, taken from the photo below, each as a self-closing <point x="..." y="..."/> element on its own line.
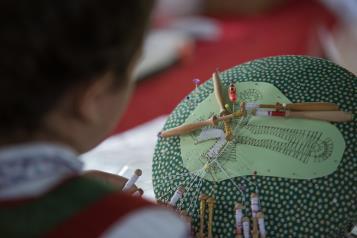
<point x="291" y="29"/>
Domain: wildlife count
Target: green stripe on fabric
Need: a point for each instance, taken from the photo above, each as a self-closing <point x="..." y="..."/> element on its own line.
<point x="36" y="217"/>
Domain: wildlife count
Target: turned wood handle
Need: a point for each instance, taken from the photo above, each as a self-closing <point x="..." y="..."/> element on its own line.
<point x="304" y="106"/>
<point x="217" y="87"/>
<point x="187" y="128"/>
<point x="333" y="116"/>
<point x="312" y="106"/>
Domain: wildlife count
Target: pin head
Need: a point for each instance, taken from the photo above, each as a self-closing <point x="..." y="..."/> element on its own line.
<point x="138" y="172"/>
<point x="196" y="81"/>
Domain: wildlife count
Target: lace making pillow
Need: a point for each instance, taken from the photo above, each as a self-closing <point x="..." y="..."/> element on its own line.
<point x="305" y="170"/>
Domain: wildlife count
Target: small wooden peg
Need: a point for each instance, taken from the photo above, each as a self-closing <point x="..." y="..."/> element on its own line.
<point x="228" y="131"/>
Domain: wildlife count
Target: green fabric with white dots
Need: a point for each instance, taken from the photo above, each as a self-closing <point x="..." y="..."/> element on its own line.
<point x="322" y="207"/>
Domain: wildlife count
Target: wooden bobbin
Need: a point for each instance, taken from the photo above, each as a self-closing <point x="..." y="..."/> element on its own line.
<point x="228" y="131"/>
<point x="210" y="201"/>
<point x="255" y="232"/>
<point x="239" y="216"/>
<point x="255" y="210"/>
<point x="217" y="87"/>
<point x="246" y="227"/>
<point x="203" y="198"/>
<point x="261" y="223"/>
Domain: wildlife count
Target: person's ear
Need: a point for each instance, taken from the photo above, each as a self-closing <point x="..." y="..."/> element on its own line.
<point x="91" y="96"/>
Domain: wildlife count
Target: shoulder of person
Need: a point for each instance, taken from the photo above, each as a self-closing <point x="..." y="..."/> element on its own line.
<point x="112" y="213"/>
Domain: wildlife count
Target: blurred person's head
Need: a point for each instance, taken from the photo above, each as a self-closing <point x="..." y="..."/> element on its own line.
<point x="65" y="68"/>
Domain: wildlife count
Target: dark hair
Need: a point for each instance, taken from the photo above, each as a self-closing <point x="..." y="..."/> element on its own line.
<point x="49" y="46"/>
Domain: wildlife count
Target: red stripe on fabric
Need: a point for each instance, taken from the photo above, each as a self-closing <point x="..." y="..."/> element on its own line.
<point x="96" y="219"/>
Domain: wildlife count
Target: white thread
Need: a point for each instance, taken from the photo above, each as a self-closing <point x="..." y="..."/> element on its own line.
<point x="198" y="190"/>
<point x="216" y="148"/>
<point x="209" y="134"/>
<point x="191" y="185"/>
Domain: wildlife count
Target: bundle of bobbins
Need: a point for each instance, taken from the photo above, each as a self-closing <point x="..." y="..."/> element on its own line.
<point x="209" y="202"/>
<point x="250" y="227"/>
